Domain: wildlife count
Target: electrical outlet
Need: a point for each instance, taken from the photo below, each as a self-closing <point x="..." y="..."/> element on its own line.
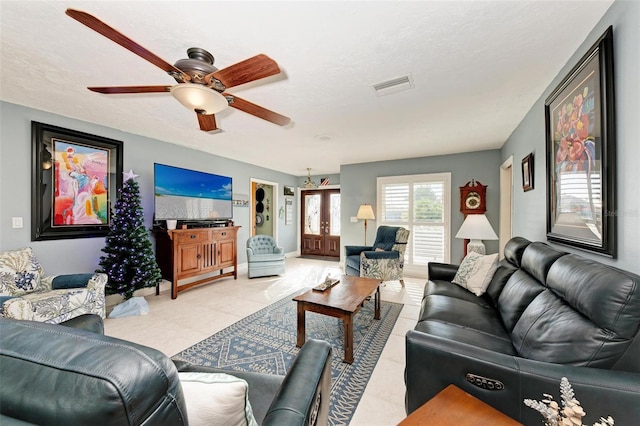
<point x="16" y="222"/>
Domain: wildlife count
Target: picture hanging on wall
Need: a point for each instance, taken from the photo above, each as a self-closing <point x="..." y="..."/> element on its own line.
<point x="527" y="173"/>
<point x="75" y="181"/>
<point x="580" y="147"/>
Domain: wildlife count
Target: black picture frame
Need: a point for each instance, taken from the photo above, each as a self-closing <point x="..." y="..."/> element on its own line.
<point x="288" y="191"/>
<point x="527" y="173"/>
<point x="74" y="183"/>
<point x="581" y="152"/>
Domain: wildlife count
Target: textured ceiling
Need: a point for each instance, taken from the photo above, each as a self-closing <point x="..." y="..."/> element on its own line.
<point x="477" y="69"/>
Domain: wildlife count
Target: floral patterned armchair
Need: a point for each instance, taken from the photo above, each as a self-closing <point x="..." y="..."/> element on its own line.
<point x="26" y="294"/>
<point x="384" y="260"/>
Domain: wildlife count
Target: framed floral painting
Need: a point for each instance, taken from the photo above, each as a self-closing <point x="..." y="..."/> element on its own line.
<point x="580" y="148"/>
<point x="75" y="179"/>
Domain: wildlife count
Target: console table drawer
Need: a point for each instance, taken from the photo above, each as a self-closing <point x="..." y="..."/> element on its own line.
<point x="193" y="237"/>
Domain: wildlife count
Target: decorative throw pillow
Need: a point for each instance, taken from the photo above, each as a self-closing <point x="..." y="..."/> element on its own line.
<point x="20" y="272"/>
<point x="475" y="272"/>
<point x="379" y="249"/>
<point x="214" y="399"/>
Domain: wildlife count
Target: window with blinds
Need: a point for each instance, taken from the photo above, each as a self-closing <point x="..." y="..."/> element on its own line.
<point x="422" y="204"/>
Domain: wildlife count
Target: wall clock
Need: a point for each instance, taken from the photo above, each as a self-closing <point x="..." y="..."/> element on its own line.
<point x="473" y="198"/>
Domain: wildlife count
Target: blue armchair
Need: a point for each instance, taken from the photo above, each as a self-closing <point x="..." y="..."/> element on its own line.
<point x="384" y="260"/>
<point x="264" y="257"/>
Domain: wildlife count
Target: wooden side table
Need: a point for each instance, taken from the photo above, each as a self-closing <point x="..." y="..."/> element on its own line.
<point x="453" y="406"/>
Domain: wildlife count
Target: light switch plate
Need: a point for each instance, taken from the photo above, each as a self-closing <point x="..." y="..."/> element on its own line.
<point x="16" y="222"/>
<point x="354" y="219"/>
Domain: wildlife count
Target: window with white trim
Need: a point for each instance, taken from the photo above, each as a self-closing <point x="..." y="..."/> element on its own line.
<point x="422" y="204"/>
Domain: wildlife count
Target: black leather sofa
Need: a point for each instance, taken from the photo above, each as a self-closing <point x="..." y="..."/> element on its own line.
<point x="71" y="374"/>
<point x="546" y="315"/>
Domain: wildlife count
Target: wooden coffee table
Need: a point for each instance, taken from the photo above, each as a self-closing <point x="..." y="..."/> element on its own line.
<point x="455" y="407"/>
<point x="343" y="301"/>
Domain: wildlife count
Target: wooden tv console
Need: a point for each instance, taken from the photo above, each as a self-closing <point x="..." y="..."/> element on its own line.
<point x="190" y="253"/>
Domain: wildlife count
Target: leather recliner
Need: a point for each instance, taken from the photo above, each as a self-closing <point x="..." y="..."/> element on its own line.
<point x="72" y="374"/>
<point x="546" y="315"/>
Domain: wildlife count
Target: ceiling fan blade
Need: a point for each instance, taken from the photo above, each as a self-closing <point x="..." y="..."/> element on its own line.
<point x="111" y="90"/>
<point x="255" y="68"/>
<point x="124" y="41"/>
<point x="258" y="111"/>
<point x="207" y="122"/>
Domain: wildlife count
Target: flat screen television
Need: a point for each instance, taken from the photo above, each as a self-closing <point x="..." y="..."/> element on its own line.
<point x="190" y="195"/>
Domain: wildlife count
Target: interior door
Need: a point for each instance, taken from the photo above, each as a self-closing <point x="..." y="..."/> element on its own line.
<point x="320" y="226"/>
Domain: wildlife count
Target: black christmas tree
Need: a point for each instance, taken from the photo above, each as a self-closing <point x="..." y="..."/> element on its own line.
<point x="129" y="261"/>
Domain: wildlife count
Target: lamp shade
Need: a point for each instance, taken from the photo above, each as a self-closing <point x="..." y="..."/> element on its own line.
<point x="476" y="227"/>
<point x="365" y="212"/>
<point x="199" y="98"/>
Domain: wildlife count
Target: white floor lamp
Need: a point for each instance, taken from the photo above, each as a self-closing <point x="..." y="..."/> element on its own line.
<point x="365" y="212"/>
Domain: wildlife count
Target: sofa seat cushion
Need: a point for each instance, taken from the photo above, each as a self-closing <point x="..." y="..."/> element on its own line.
<point x="446" y="288"/>
<point x="269" y="257"/>
<point x="462" y="313"/>
<point x="54" y="306"/>
<point x="353" y="261"/>
<point x="497" y="343"/>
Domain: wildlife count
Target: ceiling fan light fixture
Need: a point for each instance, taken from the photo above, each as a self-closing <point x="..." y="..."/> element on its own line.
<point x="199" y="98"/>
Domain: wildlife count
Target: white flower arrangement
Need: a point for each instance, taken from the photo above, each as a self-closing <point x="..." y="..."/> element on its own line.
<point x="571" y="413"/>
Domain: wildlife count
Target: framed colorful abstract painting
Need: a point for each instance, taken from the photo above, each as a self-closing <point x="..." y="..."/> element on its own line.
<point x="75" y="180"/>
<point x="580" y="148"/>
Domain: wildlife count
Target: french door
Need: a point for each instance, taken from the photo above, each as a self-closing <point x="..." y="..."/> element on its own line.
<point x="320" y="226"/>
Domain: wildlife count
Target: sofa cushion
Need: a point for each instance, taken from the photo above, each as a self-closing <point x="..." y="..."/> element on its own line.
<point x="216" y="399"/>
<point x="518" y="292"/>
<point x="20" y="272"/>
<point x="549" y="330"/>
<point x="446" y="288"/>
<point x="475" y="272"/>
<point x="494" y="342"/>
<point x="615" y="309"/>
<point x="463" y="313"/>
<point x="538" y="258"/>
<point x="514" y="249"/>
<point x="499" y="279"/>
<point x="269" y="257"/>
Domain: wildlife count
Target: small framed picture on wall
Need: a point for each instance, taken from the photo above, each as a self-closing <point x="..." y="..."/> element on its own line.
<point x="527" y="173"/>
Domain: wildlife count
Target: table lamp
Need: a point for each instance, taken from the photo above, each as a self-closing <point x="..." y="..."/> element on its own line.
<point x="365" y="212"/>
<point x="476" y="227"/>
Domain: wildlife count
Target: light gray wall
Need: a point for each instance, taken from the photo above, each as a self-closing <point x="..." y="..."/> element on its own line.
<point x="529" y="208"/>
<point x="83" y="254"/>
<point x="358" y="186"/>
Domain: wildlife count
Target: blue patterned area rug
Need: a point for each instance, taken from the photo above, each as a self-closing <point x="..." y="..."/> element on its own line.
<point x="266" y="342"/>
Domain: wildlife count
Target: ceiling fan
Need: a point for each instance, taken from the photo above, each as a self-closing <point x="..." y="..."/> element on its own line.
<point x="201" y="86"/>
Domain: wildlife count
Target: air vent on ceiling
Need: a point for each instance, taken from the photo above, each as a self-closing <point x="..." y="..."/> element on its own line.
<point x="393" y="86"/>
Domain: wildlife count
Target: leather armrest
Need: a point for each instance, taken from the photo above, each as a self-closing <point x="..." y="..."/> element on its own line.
<point x="304" y="395"/>
<point x="351" y="250"/>
<point x="89" y="322"/>
<point x="434" y="362"/>
<point x="381" y="254"/>
<point x="441" y="271"/>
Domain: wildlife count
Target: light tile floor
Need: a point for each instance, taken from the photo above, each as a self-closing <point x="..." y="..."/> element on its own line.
<point x="174" y="325"/>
